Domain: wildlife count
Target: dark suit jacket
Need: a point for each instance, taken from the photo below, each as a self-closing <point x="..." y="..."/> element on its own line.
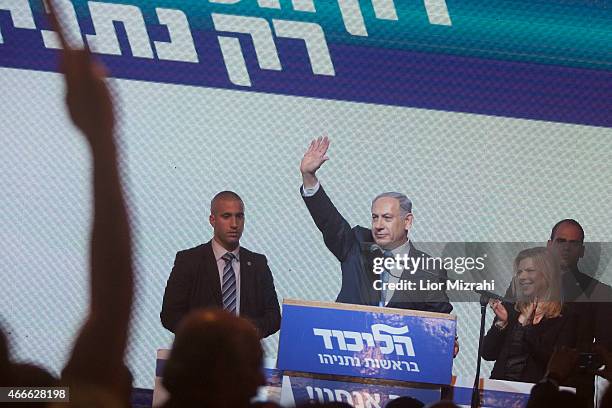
<point x="194" y="283"/>
<point x="588" y="302"/>
<point x="346" y="244"/>
<point x="540" y="341"/>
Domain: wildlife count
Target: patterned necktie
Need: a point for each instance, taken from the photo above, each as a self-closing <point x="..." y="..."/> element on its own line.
<point x="228" y="287"/>
<point x="385" y="279"/>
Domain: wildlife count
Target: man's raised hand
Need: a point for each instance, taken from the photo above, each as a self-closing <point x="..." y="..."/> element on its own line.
<point x="87" y="96"/>
<point x="313" y="159"/>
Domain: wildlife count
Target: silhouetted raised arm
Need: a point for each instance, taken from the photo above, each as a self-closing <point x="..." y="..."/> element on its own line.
<point x="97" y="356"/>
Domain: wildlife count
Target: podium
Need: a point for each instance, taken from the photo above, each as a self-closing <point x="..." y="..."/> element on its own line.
<point x="366" y="356"/>
<point x="363" y="355"/>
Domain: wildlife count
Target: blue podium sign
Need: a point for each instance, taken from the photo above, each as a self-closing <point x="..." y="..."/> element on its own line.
<point x="366" y="341"/>
<point x="298" y="391"/>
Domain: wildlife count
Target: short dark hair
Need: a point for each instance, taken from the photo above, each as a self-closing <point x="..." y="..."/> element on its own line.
<point x="568" y="221"/>
<point x="224" y="195"/>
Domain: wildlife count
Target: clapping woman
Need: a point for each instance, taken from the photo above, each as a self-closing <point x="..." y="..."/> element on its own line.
<point x="524" y="334"/>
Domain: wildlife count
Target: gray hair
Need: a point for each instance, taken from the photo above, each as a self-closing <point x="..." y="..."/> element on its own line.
<point x="404" y="202"/>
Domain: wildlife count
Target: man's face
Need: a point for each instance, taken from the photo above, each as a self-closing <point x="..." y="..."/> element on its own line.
<point x="389" y="228"/>
<point x="567" y="244"/>
<point x="227" y="220"/>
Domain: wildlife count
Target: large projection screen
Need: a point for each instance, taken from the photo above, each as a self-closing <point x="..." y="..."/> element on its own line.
<point x="494" y="139"/>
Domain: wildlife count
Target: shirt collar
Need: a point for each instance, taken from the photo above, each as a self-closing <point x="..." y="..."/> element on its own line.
<point x="403" y="249"/>
<point x="219" y="251"/>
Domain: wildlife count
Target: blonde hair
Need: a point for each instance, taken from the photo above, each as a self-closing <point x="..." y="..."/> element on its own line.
<point x="548" y="266"/>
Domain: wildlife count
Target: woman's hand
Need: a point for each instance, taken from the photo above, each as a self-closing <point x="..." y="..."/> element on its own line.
<point x="500" y="312"/>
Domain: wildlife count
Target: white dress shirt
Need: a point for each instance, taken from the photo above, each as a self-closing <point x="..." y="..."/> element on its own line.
<point x="309" y="192"/>
<point x="396" y="273"/>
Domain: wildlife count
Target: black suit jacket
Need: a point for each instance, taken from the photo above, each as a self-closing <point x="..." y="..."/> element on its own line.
<point x="540" y="340"/>
<point x="194" y="283"/>
<point x="347" y="245"/>
<point x="588" y="303"/>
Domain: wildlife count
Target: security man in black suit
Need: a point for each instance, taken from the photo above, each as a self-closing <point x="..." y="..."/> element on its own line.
<point x="223" y="274"/>
<point x="586" y="297"/>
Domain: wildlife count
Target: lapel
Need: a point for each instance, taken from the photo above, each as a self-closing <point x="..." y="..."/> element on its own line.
<point x="412" y="253"/>
<point x="398" y="297"/>
<point x="247" y="280"/>
<point x="210" y="272"/>
<point x="368" y="295"/>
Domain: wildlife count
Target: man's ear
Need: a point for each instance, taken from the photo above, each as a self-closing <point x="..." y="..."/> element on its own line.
<point x="549" y="244"/>
<point x="408" y="221"/>
<point x="581" y="251"/>
<point x="211" y="220"/>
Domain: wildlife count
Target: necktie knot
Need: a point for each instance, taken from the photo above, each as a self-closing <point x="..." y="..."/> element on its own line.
<point x="388" y="254"/>
<point x="228" y="257"/>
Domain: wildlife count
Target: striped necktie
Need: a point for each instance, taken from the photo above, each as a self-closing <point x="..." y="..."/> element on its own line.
<point x="228" y="287"/>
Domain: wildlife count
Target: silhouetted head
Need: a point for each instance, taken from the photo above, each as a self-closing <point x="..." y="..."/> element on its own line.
<point x="405" y="402"/>
<point x="443" y="404"/>
<point x="4" y="355"/>
<point x="567" y="399"/>
<point x="30" y="375"/>
<point x="216" y="359"/>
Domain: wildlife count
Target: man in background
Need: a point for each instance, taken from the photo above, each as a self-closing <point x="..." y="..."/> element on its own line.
<point x="223" y="274"/>
<point x="588" y="298"/>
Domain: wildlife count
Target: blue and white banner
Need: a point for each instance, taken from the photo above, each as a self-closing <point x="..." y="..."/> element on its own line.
<point x="302" y="390"/>
<point x="549" y="60"/>
<point x="363" y="343"/>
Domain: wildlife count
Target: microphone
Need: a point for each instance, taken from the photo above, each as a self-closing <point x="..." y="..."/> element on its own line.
<point x="492" y="295"/>
<point x="370" y="247"/>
